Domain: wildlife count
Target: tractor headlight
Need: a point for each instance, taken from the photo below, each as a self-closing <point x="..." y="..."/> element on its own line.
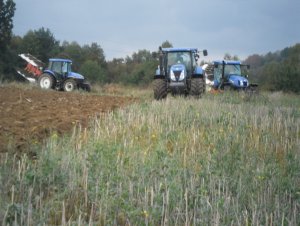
<point x="182" y="75"/>
<point x="243" y="83"/>
<point x="172" y="76"/>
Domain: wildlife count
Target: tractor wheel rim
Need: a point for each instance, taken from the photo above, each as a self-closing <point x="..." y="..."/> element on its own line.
<point x="45" y="83"/>
<point x="69" y="86"/>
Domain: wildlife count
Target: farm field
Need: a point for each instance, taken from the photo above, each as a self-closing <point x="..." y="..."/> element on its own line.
<point x="28" y="115"/>
<point x="219" y="160"/>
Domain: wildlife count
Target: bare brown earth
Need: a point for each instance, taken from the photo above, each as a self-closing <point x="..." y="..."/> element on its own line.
<point x="28" y="116"/>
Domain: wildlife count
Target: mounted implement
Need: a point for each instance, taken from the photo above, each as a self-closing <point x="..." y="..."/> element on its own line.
<point x="178" y="73"/>
<point x="58" y="75"/>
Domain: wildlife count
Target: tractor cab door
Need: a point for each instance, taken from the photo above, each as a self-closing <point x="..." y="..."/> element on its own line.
<point x="61" y="69"/>
<point x="65" y="68"/>
<point x="218" y="71"/>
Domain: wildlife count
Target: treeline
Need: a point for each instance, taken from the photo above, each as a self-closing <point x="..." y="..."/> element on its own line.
<point x="278" y="71"/>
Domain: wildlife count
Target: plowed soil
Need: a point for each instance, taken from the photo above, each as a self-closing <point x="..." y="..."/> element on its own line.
<point x="30" y="115"/>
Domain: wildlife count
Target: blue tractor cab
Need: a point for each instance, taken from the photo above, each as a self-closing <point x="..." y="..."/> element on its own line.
<point x="178" y="73"/>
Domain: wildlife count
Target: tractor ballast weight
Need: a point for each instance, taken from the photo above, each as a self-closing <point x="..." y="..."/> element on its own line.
<point x="178" y="73"/>
<point x="225" y="75"/>
<point x="58" y="75"/>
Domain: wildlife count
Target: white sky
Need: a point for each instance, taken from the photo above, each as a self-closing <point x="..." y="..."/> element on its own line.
<point x="121" y="27"/>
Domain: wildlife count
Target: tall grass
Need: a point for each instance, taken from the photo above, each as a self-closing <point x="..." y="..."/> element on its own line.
<point x="219" y="160"/>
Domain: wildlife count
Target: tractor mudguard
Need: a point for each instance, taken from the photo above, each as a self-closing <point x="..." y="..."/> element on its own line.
<point x="51" y="73"/>
<point x="198" y="72"/>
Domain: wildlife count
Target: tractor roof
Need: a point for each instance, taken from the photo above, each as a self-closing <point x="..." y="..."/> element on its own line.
<point x="179" y="49"/>
<point x="60" y="60"/>
<point x="232" y="62"/>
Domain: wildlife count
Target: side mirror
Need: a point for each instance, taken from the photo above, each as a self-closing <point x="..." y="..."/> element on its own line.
<point x="205" y="52"/>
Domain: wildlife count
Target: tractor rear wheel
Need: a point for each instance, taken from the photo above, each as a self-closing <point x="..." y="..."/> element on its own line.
<point x="46" y="81"/>
<point x="160" y="89"/>
<point x="197" y="87"/>
<point x="69" y="85"/>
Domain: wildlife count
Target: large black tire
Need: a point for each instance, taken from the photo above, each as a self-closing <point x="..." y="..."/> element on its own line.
<point x="251" y="92"/>
<point x="46" y="81"/>
<point x="86" y="87"/>
<point x="160" y="89"/>
<point x="69" y="85"/>
<point x="254" y="90"/>
<point x="197" y="87"/>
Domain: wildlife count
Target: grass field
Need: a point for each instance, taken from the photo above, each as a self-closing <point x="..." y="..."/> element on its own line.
<point x="219" y="160"/>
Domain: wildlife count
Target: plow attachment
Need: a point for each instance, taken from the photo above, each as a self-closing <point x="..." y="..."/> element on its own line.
<point x="33" y="69"/>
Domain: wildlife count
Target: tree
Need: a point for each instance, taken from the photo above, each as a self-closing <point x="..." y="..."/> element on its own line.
<point x="95" y="53"/>
<point x="166" y="44"/>
<point x="93" y="71"/>
<point x="116" y="70"/>
<point x="7" y="59"/>
<point x="277" y="71"/>
<point x="40" y="43"/>
<point x="141" y="56"/>
<point x="72" y="51"/>
<point x="254" y="60"/>
<point x="227" y="56"/>
<point x="7" y="11"/>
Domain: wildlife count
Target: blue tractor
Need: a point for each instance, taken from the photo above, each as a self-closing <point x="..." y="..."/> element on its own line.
<point x="178" y="73"/>
<point x="228" y="75"/>
<point x="58" y="75"/>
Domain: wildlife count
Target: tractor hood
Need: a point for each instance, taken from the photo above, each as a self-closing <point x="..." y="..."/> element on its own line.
<point x="178" y="72"/>
<point x="75" y="75"/>
<point x="238" y="81"/>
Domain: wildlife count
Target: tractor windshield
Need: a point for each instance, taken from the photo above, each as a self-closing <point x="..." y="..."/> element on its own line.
<point x="232" y="69"/>
<point x="179" y="58"/>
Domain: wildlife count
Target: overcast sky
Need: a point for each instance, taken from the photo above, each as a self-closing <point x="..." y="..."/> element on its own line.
<point x="121" y="27"/>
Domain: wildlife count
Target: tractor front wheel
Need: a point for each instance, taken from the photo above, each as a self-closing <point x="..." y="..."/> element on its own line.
<point x="86" y="87"/>
<point x="69" y="85"/>
<point x="197" y="87"/>
<point x="46" y="81"/>
<point x="160" y="89"/>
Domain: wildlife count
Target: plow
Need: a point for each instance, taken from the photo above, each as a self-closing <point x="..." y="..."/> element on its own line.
<point x="33" y="69"/>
